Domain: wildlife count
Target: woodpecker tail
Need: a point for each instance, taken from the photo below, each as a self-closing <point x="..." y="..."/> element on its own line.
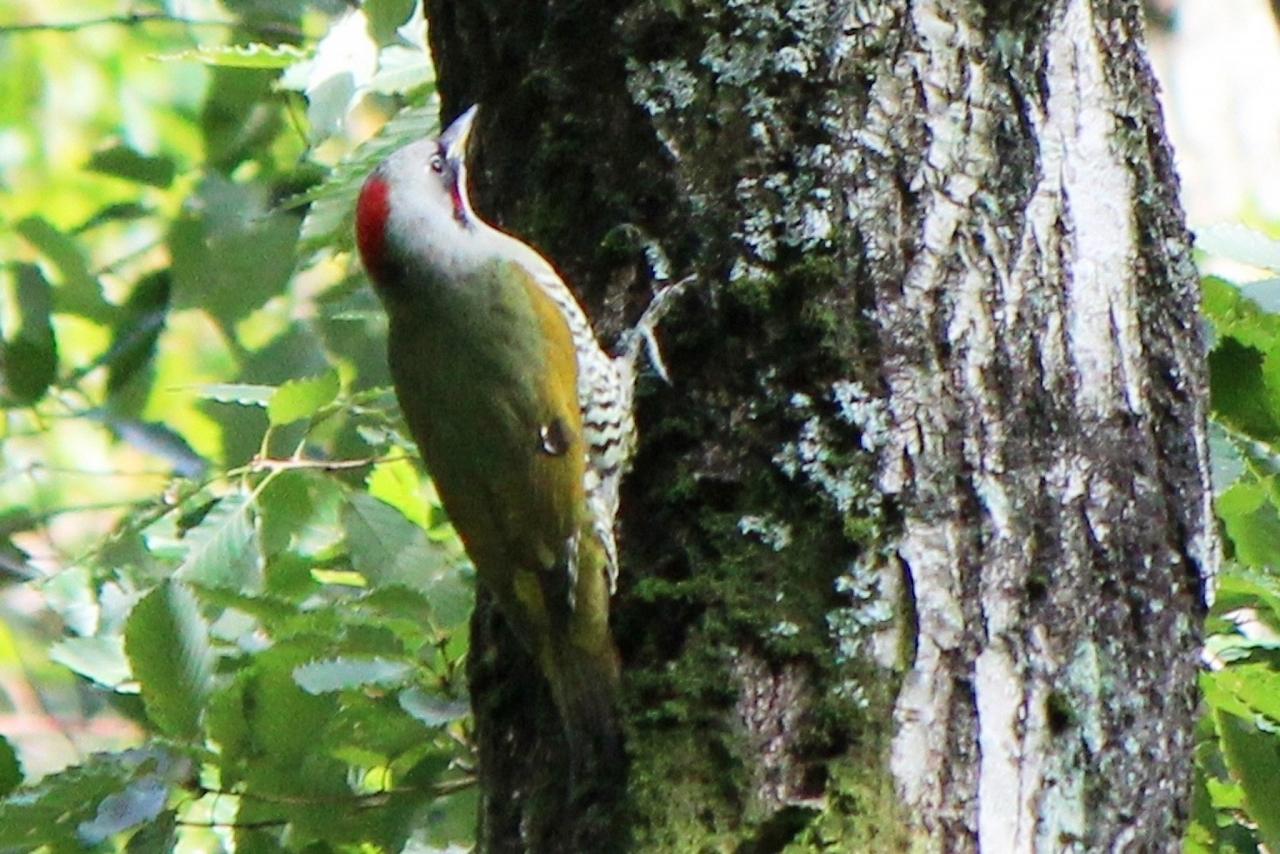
<point x="585" y="686"/>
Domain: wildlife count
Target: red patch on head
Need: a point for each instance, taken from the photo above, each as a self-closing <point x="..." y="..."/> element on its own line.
<point x="372" y="210"/>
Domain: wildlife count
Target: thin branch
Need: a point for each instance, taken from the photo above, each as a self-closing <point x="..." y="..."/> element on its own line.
<point x="269" y="464"/>
<point x="137" y="18"/>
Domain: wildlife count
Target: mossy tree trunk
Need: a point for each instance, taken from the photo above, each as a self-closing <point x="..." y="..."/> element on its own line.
<point x="916" y="544"/>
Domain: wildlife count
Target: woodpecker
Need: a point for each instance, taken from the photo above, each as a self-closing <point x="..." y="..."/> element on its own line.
<point x="523" y="421"/>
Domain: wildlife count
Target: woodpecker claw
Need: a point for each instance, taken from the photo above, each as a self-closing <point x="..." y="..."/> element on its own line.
<point x="643" y="332"/>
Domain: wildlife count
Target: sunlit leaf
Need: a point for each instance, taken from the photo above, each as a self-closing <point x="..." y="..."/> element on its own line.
<point x="342" y="673"/>
<point x="101" y="659"/>
<point x="397" y="483"/>
<point x="433" y="709"/>
<point x="241" y="393"/>
<point x="1239" y="243"/>
<point x="255" y="55"/>
<point x="303" y="398"/>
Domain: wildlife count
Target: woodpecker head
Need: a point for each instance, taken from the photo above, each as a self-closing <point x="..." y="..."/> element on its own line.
<point x="413" y="210"/>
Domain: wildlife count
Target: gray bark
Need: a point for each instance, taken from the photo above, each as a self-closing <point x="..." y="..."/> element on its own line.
<point x="916" y="546"/>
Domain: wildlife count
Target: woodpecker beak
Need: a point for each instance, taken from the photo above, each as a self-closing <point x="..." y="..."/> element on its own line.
<point x="454" y="139"/>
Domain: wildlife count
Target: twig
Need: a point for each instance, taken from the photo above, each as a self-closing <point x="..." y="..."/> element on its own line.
<point x="136" y="18"/>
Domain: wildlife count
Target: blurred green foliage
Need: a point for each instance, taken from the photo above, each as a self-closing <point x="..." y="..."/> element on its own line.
<point x="204" y="472"/>
<point x="1238" y="740"/>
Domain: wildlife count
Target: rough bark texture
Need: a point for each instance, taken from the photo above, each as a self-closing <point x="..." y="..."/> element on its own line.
<point x="915" y="545"/>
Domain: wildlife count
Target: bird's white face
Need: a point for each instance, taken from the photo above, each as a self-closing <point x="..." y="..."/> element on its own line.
<point x="414" y="208"/>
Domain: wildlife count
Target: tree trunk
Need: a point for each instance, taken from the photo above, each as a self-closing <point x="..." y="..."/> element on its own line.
<point x="916" y="544"/>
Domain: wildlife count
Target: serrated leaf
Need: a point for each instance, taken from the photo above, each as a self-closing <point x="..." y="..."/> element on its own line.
<point x="387" y="548"/>
<point x="255" y="55"/>
<point x="222" y="550"/>
<point x="303" y="398"/>
<point x="1240" y="243"/>
<point x="10" y="767"/>
<point x="244" y="394"/>
<point x="433" y="709"/>
<point x="122" y="161"/>
<point x="328" y="221"/>
<point x="345" y="672"/>
<point x="167" y="642"/>
<point x="140" y="801"/>
<point x="100" y="659"/>
<point x="30" y="360"/>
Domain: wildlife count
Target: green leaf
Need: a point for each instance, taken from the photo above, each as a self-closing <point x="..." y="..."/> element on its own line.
<point x="1252" y="522"/>
<point x="30" y="360"/>
<point x="433" y="709"/>
<point x="232" y="252"/>
<point x="344" y="672"/>
<point x="328" y="222"/>
<point x="10" y="767"/>
<point x="283" y="719"/>
<point x="136" y="331"/>
<point x="386" y="16"/>
<point x="387" y="548"/>
<point x="160" y="834"/>
<point x="255" y="55"/>
<point x="397" y="482"/>
<point x="222" y="550"/>
<point x="78" y="290"/>
<point x="51" y="811"/>
<point x="167" y="642"/>
<point x="303" y="398"/>
<point x="101" y="659"/>
<point x="1254" y="759"/>
<point x="242" y="393"/>
<point x="1255" y="685"/>
<point x="122" y="161"/>
<point x="1240" y="389"/>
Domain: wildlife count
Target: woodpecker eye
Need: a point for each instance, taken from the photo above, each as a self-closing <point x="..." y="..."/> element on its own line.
<point x="437" y="164"/>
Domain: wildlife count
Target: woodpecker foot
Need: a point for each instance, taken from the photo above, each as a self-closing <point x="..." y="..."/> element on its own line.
<point x="642" y="334"/>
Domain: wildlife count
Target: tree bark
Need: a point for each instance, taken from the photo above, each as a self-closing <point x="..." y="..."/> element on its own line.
<point x="916" y="547"/>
